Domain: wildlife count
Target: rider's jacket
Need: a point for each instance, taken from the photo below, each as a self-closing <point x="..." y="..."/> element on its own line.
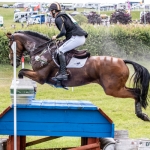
<point x="67" y="27"/>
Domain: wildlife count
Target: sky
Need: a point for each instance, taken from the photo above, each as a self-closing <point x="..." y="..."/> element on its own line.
<point x="77" y="1"/>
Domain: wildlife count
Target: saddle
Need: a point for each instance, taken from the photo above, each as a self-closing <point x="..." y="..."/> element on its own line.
<point x="79" y="54"/>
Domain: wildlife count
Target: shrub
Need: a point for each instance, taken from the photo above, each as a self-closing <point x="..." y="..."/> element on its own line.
<point x="124" y="41"/>
<point x="81" y="19"/>
<point x="4" y="50"/>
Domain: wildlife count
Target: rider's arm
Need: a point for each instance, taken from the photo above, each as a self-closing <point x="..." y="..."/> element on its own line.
<point x="60" y="24"/>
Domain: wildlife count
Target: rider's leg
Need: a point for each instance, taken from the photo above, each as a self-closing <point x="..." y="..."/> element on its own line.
<point x="62" y="71"/>
<point x="72" y="43"/>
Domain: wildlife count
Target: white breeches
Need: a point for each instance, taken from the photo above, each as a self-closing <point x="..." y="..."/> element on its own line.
<point x="72" y="43"/>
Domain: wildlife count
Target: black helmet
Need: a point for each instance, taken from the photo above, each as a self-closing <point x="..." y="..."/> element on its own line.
<point x="55" y="6"/>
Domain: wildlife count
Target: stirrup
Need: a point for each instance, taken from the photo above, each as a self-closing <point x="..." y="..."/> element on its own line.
<point x="60" y="77"/>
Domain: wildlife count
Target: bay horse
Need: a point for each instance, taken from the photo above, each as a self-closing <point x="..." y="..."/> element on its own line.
<point x="109" y="72"/>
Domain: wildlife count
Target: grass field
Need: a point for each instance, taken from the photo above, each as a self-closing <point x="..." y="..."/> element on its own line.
<point x="121" y="111"/>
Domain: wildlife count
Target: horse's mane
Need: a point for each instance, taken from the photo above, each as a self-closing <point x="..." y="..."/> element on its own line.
<point x="36" y="34"/>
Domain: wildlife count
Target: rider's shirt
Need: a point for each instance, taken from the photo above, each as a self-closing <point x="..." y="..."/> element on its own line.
<point x="68" y="26"/>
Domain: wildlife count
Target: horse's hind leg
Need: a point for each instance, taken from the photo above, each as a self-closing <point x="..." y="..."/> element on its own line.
<point x="128" y="93"/>
<point x="138" y="111"/>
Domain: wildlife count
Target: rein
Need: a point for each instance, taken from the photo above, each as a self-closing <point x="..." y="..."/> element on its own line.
<point x="40" y="50"/>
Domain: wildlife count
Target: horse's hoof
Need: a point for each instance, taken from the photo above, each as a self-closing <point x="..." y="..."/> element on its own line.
<point x="146" y="118"/>
<point x="20" y="76"/>
<point x="143" y="116"/>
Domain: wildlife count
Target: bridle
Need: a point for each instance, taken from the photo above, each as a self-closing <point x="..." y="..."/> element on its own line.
<point x="38" y="50"/>
<point x="12" y="39"/>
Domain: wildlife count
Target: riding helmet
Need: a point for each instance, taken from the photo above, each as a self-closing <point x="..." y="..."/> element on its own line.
<point x="55" y="6"/>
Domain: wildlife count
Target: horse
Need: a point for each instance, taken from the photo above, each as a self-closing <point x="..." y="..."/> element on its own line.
<point x="109" y="72"/>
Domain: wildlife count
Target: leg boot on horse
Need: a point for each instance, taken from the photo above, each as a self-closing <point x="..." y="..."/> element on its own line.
<point x="62" y="70"/>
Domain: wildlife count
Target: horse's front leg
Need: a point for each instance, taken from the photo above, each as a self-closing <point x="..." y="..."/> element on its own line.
<point x="138" y="111"/>
<point x="36" y="76"/>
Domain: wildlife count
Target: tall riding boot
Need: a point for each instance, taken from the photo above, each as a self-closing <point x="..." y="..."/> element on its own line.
<point x="62" y="71"/>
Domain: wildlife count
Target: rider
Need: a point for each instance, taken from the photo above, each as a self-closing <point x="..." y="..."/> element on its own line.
<point x="75" y="36"/>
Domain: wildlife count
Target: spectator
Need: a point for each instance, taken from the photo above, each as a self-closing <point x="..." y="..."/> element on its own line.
<point x="22" y="25"/>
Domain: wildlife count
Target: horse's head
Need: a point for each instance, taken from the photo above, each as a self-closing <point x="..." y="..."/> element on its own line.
<point x="19" y="49"/>
<point x="30" y="41"/>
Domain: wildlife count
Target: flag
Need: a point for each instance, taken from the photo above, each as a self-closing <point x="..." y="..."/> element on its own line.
<point x="37" y="7"/>
<point x="129" y="6"/>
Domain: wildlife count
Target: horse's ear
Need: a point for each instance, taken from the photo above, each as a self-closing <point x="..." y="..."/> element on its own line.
<point x="8" y="34"/>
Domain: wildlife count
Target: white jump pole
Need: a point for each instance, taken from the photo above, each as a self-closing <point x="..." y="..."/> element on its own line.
<point x="15" y="108"/>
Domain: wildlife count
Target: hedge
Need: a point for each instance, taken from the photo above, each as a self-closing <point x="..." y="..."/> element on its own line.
<point x="122" y="41"/>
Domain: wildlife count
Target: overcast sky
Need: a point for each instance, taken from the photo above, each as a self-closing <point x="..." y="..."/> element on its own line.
<point x="76" y="1"/>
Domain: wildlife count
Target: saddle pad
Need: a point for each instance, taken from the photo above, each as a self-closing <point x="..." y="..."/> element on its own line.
<point x="76" y="63"/>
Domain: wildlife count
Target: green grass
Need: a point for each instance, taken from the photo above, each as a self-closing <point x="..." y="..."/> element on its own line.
<point x="121" y="111"/>
<point x="8" y="16"/>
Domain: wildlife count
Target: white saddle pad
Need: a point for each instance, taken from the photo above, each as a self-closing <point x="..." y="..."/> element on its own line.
<point x="76" y="63"/>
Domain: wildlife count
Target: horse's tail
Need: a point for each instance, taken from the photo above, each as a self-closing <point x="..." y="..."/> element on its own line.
<point x="140" y="82"/>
